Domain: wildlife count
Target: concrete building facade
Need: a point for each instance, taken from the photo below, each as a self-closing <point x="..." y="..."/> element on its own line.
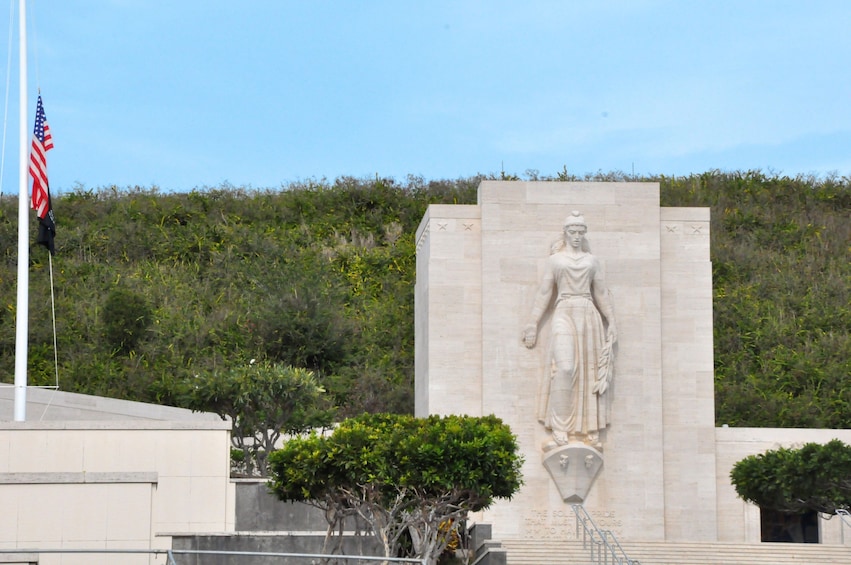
<point x="96" y="473"/>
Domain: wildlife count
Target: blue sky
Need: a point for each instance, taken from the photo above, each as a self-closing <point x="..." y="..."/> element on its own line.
<point x="185" y="94"/>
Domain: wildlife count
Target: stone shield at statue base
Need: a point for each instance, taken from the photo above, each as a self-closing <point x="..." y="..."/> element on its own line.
<point x="573" y="469"/>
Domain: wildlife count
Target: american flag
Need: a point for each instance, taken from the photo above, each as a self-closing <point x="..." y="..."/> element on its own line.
<point x="41" y="144"/>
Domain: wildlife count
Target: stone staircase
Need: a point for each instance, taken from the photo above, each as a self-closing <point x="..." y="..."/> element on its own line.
<point x="528" y="552"/>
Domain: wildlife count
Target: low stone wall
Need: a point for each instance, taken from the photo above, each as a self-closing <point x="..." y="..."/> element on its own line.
<point x="267" y="542"/>
<point x="258" y="510"/>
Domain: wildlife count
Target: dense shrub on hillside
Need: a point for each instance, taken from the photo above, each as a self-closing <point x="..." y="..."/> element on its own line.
<point x="153" y="288"/>
<point x="319" y="275"/>
<point x="782" y="298"/>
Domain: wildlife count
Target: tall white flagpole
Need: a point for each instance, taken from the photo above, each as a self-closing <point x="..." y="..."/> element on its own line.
<point x="22" y="312"/>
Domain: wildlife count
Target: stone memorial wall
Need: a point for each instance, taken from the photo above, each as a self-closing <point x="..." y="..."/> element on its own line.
<point x="580" y="314"/>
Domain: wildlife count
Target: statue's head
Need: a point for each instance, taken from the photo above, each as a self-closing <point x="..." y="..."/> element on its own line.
<point x="574" y="230"/>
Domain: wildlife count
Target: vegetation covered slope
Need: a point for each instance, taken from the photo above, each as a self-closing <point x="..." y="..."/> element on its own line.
<point x="153" y="288"/>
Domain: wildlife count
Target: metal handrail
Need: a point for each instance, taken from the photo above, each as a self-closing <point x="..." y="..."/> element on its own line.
<point x="590" y="532"/>
<point x="620" y="549"/>
<point x="845" y="516"/>
<point x="613" y="548"/>
<point x="170" y="553"/>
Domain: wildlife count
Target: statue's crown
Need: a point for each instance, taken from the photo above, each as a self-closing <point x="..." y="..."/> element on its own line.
<point x="575" y="219"/>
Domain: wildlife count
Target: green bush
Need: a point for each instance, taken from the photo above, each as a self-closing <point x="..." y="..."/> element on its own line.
<point x="811" y="478"/>
<point x="125" y="315"/>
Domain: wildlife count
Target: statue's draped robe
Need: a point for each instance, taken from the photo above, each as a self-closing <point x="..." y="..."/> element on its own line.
<point x="568" y="404"/>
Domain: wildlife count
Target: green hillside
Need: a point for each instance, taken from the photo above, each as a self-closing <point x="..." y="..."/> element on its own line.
<point x="153" y="288"/>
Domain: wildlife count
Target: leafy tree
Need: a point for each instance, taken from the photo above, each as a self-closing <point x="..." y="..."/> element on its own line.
<point x="125" y="316"/>
<point x="813" y="477"/>
<point x="297" y="317"/>
<point x="402" y="475"/>
<point x="263" y="400"/>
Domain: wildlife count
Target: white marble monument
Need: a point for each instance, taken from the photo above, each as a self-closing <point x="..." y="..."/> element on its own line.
<point x="581" y="314"/>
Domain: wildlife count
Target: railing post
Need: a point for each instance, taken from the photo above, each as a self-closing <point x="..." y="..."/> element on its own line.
<point x="844" y="517"/>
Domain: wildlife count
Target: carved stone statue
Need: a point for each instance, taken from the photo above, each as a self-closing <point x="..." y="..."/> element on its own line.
<point x="573" y="401"/>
